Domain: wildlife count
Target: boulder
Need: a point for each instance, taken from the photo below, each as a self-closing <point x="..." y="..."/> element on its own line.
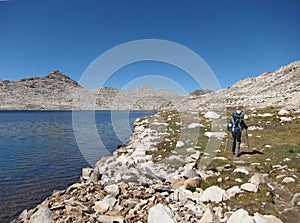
<point x="258" y="218"/>
<point x="288" y="180"/>
<point x="160" y="213"/>
<point x="249" y="187"/>
<point x="192" y="183"/>
<point x="257" y="179"/>
<point x="86" y="173"/>
<point x="179" y="144"/>
<point x="283" y="112"/>
<point x="106" y="204"/>
<point x="43" y="214"/>
<point x="240" y="216"/>
<point x="211" y="115"/>
<point x="213" y="194"/>
<point x="112" y="189"/>
<point x="101" y="206"/>
<point x="231" y="192"/>
<point x="295" y="199"/>
<point x="209" y="216"/>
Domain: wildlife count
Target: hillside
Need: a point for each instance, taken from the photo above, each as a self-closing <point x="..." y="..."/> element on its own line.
<point x="56" y="91"/>
<point x="280" y="88"/>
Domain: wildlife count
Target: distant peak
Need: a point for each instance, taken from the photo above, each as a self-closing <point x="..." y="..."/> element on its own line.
<point x="57" y="75"/>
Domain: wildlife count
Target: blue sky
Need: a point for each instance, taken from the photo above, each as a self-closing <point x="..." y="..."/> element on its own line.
<point x="236" y="38"/>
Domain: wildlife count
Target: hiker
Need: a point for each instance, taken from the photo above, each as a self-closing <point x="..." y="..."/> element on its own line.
<point x="236" y="126"/>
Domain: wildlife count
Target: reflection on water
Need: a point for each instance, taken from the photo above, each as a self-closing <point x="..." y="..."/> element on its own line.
<point x="39" y="153"/>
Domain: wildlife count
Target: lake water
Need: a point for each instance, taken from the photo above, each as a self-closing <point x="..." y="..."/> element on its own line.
<point x="39" y="152"/>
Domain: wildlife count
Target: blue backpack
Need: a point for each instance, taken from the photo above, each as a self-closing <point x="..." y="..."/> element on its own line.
<point x="235" y="125"/>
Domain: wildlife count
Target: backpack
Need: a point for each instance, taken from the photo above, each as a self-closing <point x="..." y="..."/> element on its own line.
<point x="235" y="125"/>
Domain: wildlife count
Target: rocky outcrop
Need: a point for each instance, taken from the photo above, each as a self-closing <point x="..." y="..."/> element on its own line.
<point x="278" y="89"/>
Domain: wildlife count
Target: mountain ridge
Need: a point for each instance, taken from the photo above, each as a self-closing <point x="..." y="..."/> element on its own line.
<point x="57" y="91"/>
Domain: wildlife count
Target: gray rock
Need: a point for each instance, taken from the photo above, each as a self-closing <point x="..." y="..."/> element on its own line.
<point x="160" y="213"/>
<point x="112" y="189"/>
<point x="43" y="214"/>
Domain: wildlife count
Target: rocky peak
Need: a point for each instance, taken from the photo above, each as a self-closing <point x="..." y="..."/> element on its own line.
<point x="57" y="75"/>
<point x="199" y="92"/>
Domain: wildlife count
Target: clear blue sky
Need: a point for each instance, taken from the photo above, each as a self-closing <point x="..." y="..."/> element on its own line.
<point x="236" y="38"/>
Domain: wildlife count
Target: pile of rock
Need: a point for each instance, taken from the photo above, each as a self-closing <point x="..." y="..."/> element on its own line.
<point x="130" y="187"/>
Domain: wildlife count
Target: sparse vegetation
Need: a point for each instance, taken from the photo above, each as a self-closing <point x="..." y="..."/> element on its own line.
<point x="271" y="143"/>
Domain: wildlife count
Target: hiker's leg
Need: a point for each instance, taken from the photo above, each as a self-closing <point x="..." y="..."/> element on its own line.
<point x="233" y="143"/>
<point x="238" y="139"/>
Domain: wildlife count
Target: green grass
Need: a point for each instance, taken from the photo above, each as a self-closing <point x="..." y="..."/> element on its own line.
<point x="282" y="137"/>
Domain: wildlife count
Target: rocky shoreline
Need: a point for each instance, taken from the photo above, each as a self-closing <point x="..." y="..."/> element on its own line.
<point x="130" y="186"/>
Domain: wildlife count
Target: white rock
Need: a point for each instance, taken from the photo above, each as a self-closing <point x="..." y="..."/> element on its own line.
<point x="160" y="213"/>
<point x="219" y="158"/>
<point x="109" y="219"/>
<point x="101" y="206"/>
<point x="249" y="187"/>
<point x="241" y="170"/>
<point x="295" y="199"/>
<point x="213" y="194"/>
<point x="112" y="189"/>
<point x="251" y="128"/>
<point x="288" y="180"/>
<point x="215" y="134"/>
<point x="231" y="192"/>
<point x="179" y="144"/>
<point x="238" y="180"/>
<point x="86" y="172"/>
<point x="258" y="218"/>
<point x="211" y="115"/>
<point x="209" y="216"/>
<point x="255" y="164"/>
<point x="257" y="179"/>
<point x="43" y="214"/>
<point x="195" y="125"/>
<point x="286" y="119"/>
<point x="157" y="123"/>
<point x="283" y="112"/>
<point x="265" y="115"/>
<point x="240" y="216"/>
